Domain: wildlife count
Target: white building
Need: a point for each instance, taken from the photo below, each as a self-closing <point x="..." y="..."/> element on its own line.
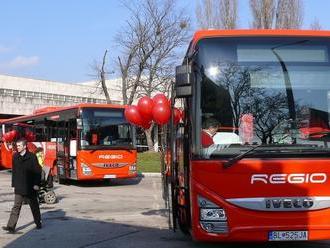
<point x="21" y="96"/>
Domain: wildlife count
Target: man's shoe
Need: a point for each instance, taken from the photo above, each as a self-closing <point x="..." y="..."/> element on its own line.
<point x="39" y="226"/>
<point x="8" y="229"/>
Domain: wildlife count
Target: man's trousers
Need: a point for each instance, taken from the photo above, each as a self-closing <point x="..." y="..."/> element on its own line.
<point x="34" y="205"/>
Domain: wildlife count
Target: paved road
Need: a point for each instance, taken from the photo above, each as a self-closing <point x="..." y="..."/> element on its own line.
<point x="118" y="214"/>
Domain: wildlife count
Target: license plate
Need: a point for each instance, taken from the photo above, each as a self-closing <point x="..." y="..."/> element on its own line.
<point x="287" y="235"/>
<point x="110" y="176"/>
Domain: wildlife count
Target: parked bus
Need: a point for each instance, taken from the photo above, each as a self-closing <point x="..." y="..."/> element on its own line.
<point x="263" y="174"/>
<point x="82" y="142"/>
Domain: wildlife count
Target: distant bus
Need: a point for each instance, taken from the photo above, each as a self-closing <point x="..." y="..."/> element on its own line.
<point x="263" y="99"/>
<point x="81" y="142"/>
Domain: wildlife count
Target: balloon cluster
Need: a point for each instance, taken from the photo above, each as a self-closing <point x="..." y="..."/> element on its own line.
<point x="157" y="109"/>
<point x="13" y="134"/>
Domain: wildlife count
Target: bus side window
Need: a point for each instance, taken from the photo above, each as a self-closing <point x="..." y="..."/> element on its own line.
<point x="62" y="131"/>
<point x="39" y="134"/>
<point x="73" y="128"/>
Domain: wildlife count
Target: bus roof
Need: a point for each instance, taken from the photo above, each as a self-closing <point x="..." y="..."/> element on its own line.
<point x="202" y="34"/>
<point x="60" y="109"/>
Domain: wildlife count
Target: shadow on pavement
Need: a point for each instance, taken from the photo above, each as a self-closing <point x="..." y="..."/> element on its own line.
<point x="60" y="230"/>
<point x="106" y="183"/>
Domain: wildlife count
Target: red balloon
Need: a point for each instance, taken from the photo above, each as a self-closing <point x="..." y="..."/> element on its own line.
<point x="145" y="105"/>
<point x="161" y="113"/>
<point x="29" y="136"/>
<point x="160" y="99"/>
<point x="133" y="116"/>
<point x="6" y="137"/>
<point x="146" y="125"/>
<point x="12" y="135"/>
<point x="177" y="116"/>
<point x="9" y="136"/>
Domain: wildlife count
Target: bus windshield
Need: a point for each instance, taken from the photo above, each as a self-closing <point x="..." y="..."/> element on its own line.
<point x="267" y="92"/>
<point x="105" y="128"/>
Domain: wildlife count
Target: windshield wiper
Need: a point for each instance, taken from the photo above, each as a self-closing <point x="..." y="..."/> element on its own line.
<point x="233" y="160"/>
<point x="291" y="149"/>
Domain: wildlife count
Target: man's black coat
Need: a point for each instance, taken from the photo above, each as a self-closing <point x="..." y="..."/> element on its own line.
<point x="26" y="173"/>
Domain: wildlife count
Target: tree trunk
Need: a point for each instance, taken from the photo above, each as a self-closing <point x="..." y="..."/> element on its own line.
<point x="148" y="133"/>
<point x="123" y="81"/>
<point x="156" y="144"/>
<point x="103" y="82"/>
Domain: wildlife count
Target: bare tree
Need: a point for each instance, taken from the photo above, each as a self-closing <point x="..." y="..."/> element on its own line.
<point x="148" y="42"/>
<point x="217" y="14"/>
<point x="207" y="14"/>
<point x="289" y="14"/>
<point x="228" y="14"/>
<point x="263" y="12"/>
<point x="155" y="29"/>
<point x="280" y="14"/>
<point x="101" y="77"/>
<point x="132" y="40"/>
<point x="315" y="25"/>
<point x="172" y="33"/>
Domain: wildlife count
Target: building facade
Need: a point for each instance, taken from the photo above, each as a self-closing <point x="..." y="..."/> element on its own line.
<point x="21" y="96"/>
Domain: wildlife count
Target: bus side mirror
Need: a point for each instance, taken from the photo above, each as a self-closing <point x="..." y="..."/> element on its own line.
<point x="73" y="148"/>
<point x="183" y="79"/>
<point x="79" y="124"/>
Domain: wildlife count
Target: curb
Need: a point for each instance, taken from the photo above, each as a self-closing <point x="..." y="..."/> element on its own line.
<point x="5" y="171"/>
<point x="149" y="174"/>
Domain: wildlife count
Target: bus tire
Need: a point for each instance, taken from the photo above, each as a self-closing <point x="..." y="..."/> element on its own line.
<point x="183" y="221"/>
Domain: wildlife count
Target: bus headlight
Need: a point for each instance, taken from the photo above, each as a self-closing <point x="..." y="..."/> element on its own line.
<point x="132" y="168"/>
<point x="212" y="218"/>
<point x="85" y="169"/>
<point x="212" y="214"/>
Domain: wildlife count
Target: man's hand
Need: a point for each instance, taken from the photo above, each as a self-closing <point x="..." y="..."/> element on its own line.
<point x="36" y="187"/>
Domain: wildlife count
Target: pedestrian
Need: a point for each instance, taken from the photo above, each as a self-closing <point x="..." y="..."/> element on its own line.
<point x="26" y="175"/>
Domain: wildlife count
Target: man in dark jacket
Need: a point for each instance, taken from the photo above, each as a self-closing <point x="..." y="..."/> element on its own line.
<point x="26" y="175"/>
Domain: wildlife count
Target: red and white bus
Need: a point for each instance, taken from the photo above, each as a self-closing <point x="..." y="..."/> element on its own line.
<point x="82" y="142"/>
<point x="265" y="175"/>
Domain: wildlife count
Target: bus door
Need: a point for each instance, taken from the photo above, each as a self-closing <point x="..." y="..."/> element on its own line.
<point x="180" y="154"/>
<point x="72" y="148"/>
<point x="67" y="149"/>
<point x="62" y="151"/>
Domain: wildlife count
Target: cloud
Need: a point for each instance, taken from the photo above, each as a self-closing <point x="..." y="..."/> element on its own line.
<point x="21" y="61"/>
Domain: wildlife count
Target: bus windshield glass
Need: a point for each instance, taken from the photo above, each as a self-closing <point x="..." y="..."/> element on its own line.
<point x="105" y="128"/>
<point x="267" y="92"/>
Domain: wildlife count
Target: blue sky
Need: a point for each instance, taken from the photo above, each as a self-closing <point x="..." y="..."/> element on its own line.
<point x="59" y="40"/>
